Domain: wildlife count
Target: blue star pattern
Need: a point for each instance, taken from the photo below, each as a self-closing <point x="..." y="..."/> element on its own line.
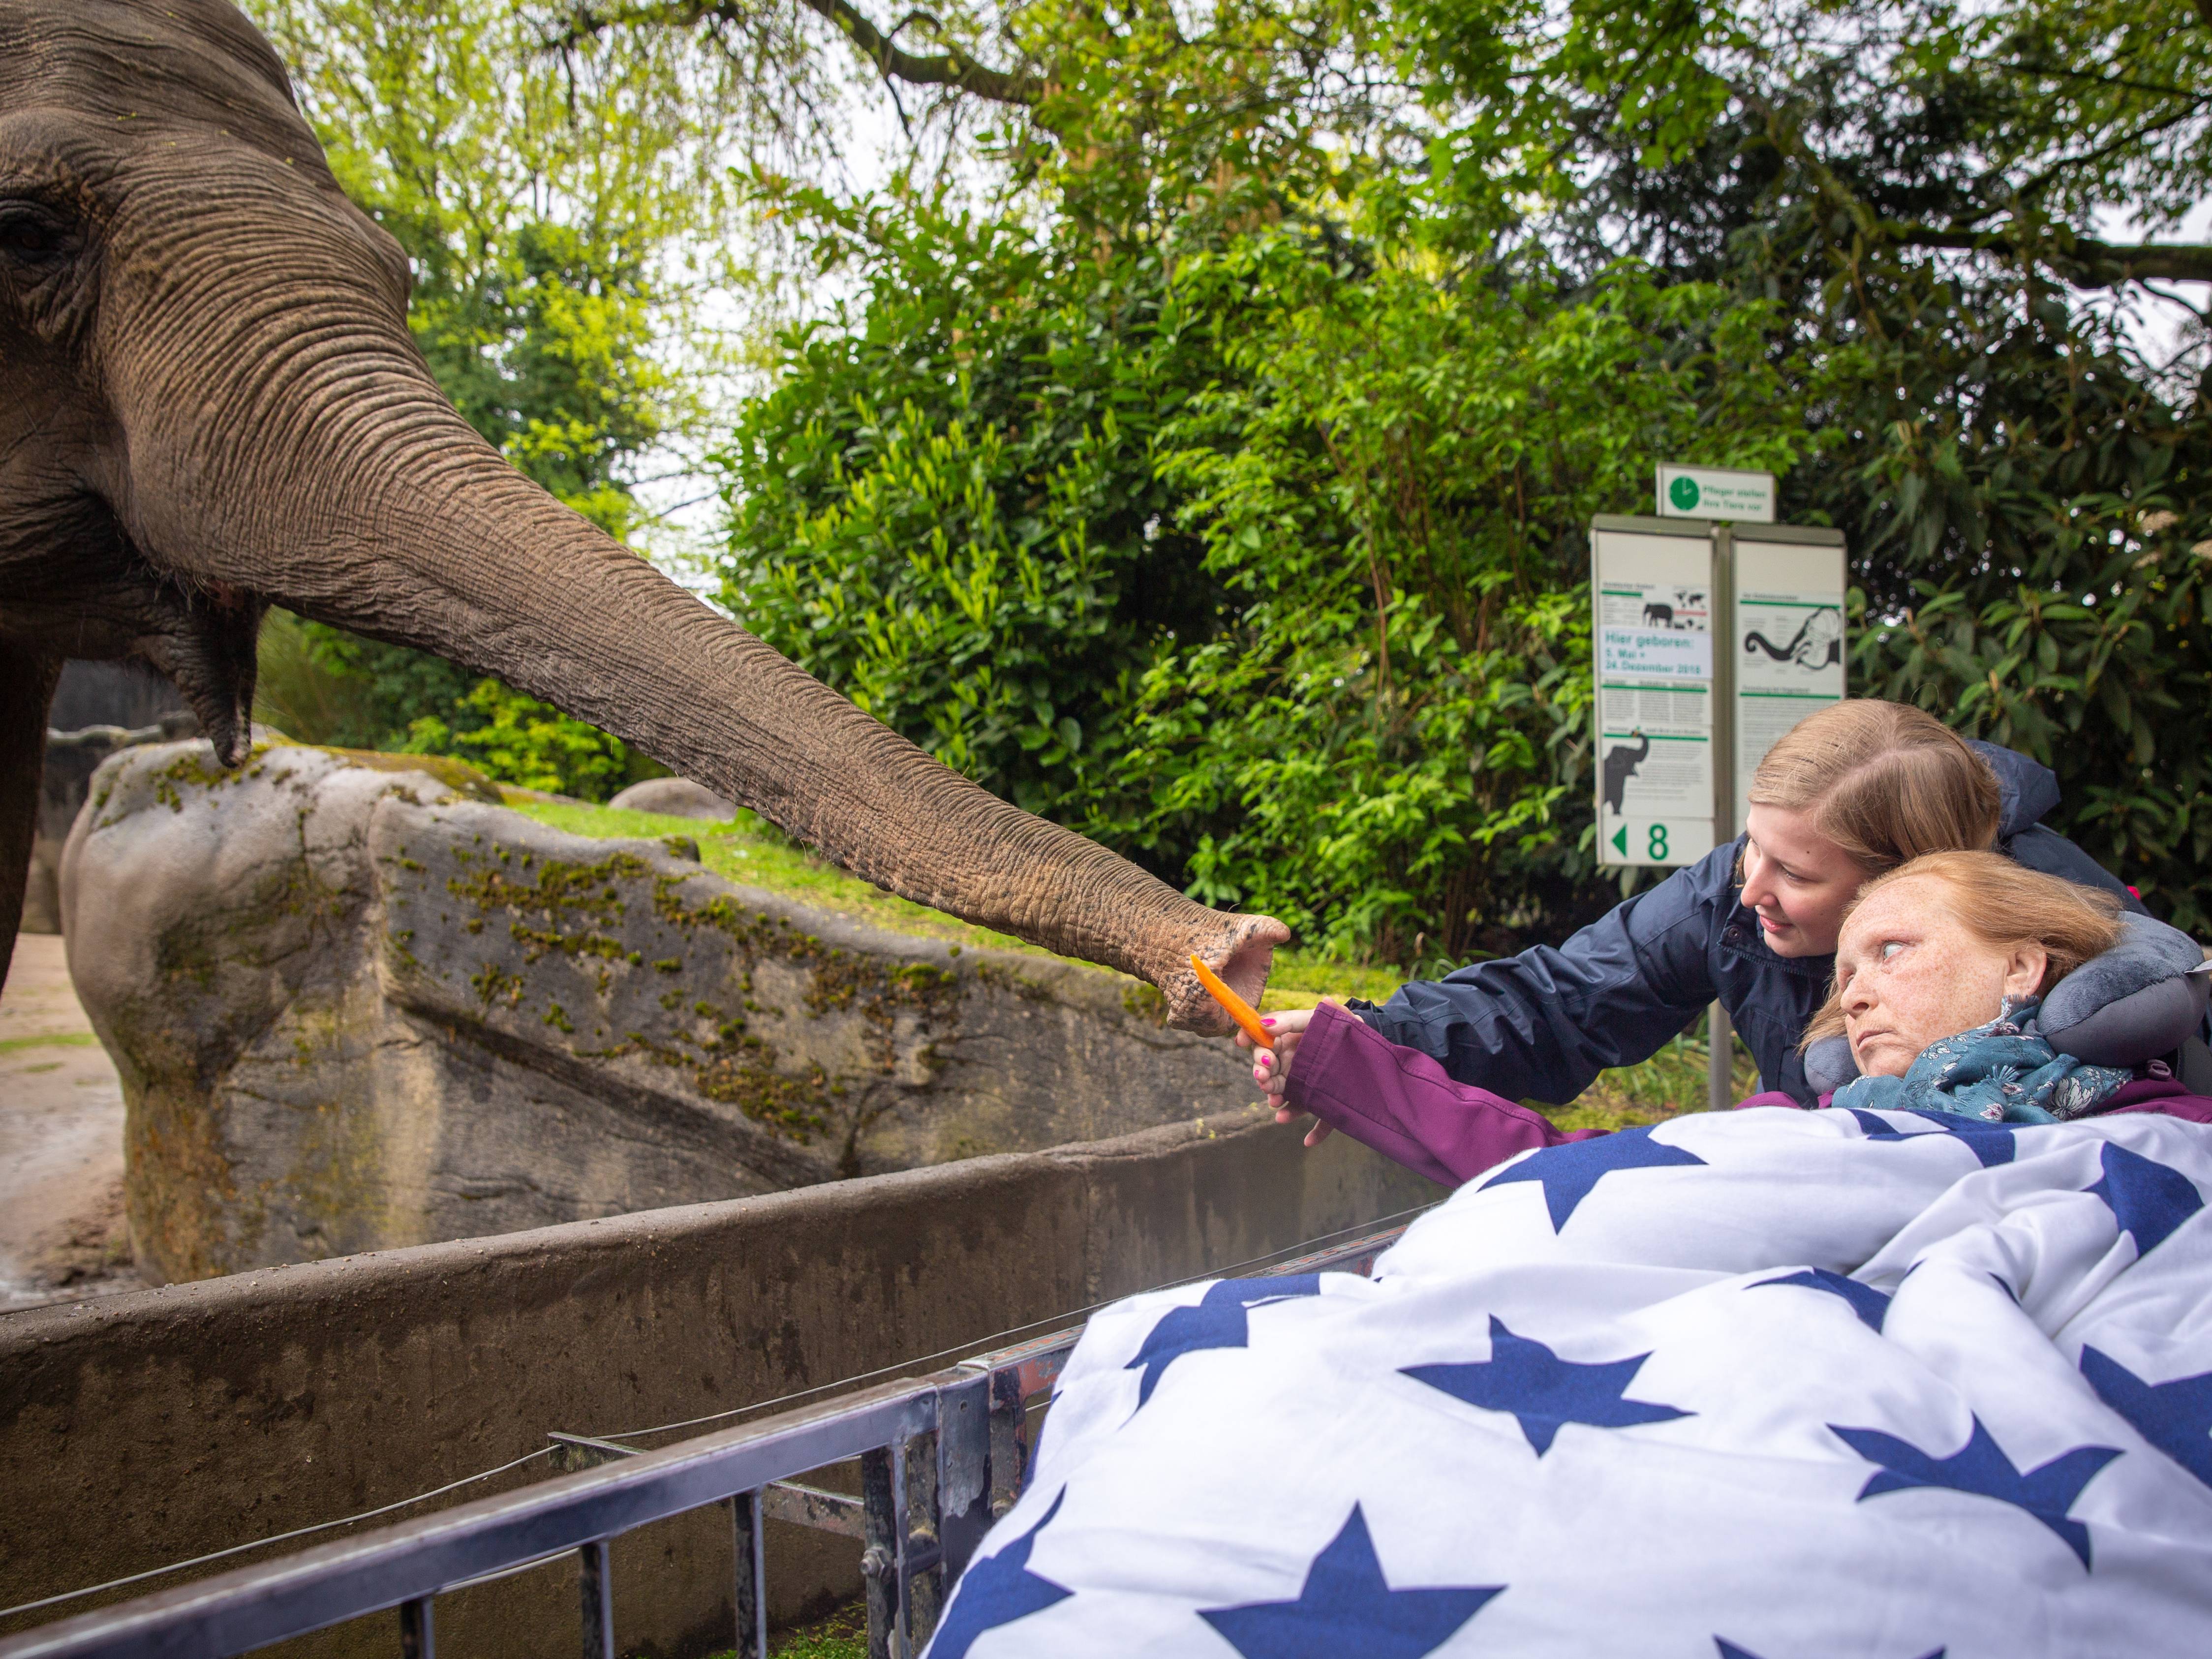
<point x="1730" y="1651"/>
<point x="1876" y="1128"/>
<point x="2149" y="1199"/>
<point x="1870" y="1304"/>
<point x="1981" y="1468"/>
<point x="2175" y="1416"/>
<point x="1346" y="1606"/>
<point x="1224" y="1517"/>
<point x="996" y="1591"/>
<point x="1990" y="1143"/>
<point x="1218" y="1321"/>
<point x="1567" y="1173"/>
<point x="1544" y="1391"/>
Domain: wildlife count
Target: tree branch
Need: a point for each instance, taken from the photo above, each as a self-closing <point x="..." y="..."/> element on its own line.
<point x="952" y="68"/>
<point x="2083" y="261"/>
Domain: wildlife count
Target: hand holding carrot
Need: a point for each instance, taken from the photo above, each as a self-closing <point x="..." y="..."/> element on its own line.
<point x="1272" y="1071"/>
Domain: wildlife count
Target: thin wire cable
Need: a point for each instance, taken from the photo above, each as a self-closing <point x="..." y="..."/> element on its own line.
<point x="997" y="1338"/>
<point x="280" y="1538"/>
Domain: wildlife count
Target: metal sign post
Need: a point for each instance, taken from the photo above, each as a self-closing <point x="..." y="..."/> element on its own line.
<point x="1711" y="639"/>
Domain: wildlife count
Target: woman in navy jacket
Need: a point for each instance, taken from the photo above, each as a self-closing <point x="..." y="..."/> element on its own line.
<point x="1856" y="790"/>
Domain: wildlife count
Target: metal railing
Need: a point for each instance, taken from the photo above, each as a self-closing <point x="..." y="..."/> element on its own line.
<point x="942" y="1455"/>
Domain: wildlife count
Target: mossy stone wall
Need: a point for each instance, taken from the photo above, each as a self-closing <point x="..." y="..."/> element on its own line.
<point x="355" y="1007"/>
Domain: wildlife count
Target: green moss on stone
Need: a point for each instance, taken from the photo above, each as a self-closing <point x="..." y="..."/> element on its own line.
<point x="493" y="983"/>
<point x="1145" y="1002"/>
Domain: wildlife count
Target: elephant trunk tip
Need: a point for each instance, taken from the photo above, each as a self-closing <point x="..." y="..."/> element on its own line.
<point x="225" y="711"/>
<point x="211" y="659"/>
<point x="232" y="748"/>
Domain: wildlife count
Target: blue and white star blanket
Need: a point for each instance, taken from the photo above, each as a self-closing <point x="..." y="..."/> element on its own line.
<point x="1769" y="1382"/>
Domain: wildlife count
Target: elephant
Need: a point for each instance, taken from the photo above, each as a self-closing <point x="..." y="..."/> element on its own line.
<point x="211" y="403"/>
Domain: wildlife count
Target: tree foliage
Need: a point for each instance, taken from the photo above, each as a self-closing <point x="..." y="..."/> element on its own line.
<point x="1387" y="742"/>
<point x="1920" y="190"/>
<point x="1440" y="281"/>
<point x="1211" y="469"/>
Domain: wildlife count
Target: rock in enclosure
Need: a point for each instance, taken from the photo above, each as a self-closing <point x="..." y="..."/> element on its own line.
<point x="64" y="781"/>
<point x="676" y="798"/>
<point x="353" y="1008"/>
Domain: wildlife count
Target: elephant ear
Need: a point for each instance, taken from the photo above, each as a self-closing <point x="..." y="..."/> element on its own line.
<point x="26" y="692"/>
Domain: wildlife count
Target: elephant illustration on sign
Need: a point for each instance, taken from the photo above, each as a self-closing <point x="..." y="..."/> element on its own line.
<point x="1818" y="643"/>
<point x="209" y="403"/>
<point x="1621" y="764"/>
<point x="1662" y="613"/>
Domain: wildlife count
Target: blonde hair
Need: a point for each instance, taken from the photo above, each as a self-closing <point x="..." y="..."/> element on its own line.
<point x="1885" y="782"/>
<point x="2006" y="907"/>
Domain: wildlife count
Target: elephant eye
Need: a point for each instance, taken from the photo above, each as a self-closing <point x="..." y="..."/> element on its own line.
<point x="32" y="235"/>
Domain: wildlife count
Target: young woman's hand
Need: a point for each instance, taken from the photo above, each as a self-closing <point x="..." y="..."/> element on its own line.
<point x="1271" y="1072"/>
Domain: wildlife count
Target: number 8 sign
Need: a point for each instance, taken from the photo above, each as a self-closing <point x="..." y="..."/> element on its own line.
<point x="1655" y="841"/>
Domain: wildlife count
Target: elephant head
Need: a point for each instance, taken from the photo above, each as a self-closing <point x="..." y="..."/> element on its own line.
<point x="210" y="403"/>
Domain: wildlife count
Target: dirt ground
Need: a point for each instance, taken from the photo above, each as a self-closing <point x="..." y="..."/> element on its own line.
<point x="62" y="1234"/>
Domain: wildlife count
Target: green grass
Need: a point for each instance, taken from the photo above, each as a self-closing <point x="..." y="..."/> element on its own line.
<point x="748" y="850"/>
<point x="1670" y="1082"/>
<point x="1300" y="978"/>
<point x="840" y="1635"/>
<point x="54" y="1040"/>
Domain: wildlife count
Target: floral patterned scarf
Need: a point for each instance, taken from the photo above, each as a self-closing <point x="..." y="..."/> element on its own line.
<point x="2000" y="1072"/>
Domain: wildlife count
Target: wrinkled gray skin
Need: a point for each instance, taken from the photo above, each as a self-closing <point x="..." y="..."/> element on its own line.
<point x="209" y="403"/>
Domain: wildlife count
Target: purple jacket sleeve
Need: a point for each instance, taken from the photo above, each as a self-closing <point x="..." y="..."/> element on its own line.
<point x="1405" y="1105"/>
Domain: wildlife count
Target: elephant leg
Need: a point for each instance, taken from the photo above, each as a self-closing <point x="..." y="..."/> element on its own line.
<point x="26" y="692"/>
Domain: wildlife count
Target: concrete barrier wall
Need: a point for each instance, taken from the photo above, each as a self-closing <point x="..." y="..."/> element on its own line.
<point x="143" y="1428"/>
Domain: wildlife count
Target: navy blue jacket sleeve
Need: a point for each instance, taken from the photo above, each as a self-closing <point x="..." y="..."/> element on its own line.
<point x="2044" y="849"/>
<point x="1542" y="1024"/>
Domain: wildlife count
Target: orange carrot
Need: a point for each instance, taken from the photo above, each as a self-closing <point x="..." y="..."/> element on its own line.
<point x="1239" y="1010"/>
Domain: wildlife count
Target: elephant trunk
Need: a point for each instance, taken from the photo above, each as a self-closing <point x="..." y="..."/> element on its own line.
<point x="422" y="534"/>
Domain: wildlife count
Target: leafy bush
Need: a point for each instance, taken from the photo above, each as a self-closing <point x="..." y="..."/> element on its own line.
<point x="1388" y="747"/>
<point x="1251" y="556"/>
<point x="323" y="685"/>
<point x="2033" y="562"/>
<point x="515" y="739"/>
<point x="947" y="507"/>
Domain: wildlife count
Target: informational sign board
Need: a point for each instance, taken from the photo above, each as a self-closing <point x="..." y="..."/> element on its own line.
<point x="1789" y="631"/>
<point x="1711" y="642"/>
<point x="1652" y="622"/>
<point x="1715" y="492"/>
